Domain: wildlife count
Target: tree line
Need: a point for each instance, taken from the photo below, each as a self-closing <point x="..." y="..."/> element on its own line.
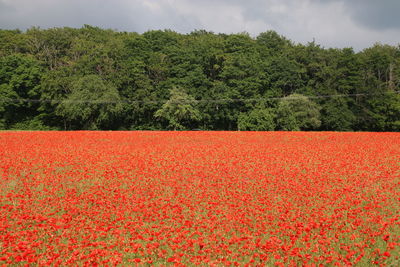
<point x="96" y="79"/>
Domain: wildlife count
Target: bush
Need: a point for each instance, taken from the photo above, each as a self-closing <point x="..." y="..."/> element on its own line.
<point x="32" y="125"/>
<point x="257" y="120"/>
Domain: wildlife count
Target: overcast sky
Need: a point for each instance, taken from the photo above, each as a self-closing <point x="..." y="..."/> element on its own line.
<point x="332" y="23"/>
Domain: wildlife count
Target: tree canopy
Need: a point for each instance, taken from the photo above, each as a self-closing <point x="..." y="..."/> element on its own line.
<point x="91" y="78"/>
<point x="179" y="110"/>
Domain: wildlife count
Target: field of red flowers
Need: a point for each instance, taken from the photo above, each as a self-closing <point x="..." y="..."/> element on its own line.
<point x="186" y="198"/>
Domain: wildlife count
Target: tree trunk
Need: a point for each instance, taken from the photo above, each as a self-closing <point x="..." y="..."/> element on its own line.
<point x="391" y="77"/>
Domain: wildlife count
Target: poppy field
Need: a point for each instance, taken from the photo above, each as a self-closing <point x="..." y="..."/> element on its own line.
<point x="206" y="198"/>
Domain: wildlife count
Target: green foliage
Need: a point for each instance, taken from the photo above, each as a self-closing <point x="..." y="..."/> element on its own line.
<point x="272" y="42"/>
<point x="20" y="77"/>
<point x="179" y="110"/>
<point x="92" y="104"/>
<point x="32" y="124"/>
<point x="304" y="111"/>
<point x="12" y="41"/>
<point x="286" y="118"/>
<point x="384" y="112"/>
<point x="90" y="78"/>
<point x="257" y="120"/>
<point x="337" y="116"/>
<point x="22" y="74"/>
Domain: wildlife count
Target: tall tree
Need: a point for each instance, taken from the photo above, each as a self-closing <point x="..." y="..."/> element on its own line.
<point x="257" y="120"/>
<point x="230" y="75"/>
<point x="305" y="111"/>
<point x="20" y="77"/>
<point x="92" y="104"/>
<point x="179" y="110"/>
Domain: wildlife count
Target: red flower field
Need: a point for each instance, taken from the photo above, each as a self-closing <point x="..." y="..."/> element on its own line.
<point x="211" y="198"/>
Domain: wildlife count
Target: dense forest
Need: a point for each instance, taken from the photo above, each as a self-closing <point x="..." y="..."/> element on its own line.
<point x="95" y="79"/>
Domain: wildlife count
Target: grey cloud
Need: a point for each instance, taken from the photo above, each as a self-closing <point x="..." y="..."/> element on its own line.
<point x="6" y="11"/>
<point x="373" y="14"/>
<point x="122" y="15"/>
<point x="254" y="9"/>
<point x="63" y="13"/>
<point x="334" y="23"/>
<point x="379" y="15"/>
